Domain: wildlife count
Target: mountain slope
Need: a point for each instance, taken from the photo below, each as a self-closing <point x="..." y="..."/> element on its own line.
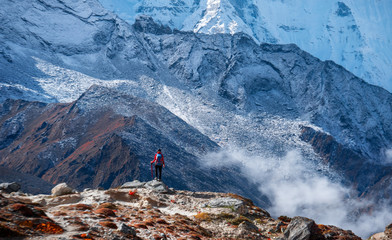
<point x="351" y="33"/>
<point x="251" y="100"/>
<point x="95" y="145"/>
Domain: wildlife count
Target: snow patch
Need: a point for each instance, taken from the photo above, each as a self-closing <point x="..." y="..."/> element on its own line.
<point x="67" y="85"/>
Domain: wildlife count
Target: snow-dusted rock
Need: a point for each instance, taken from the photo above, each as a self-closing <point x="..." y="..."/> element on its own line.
<point x="322" y="28"/>
<point x="226" y="202"/>
<point x="300" y="228"/>
<point x="133" y="184"/>
<point x="10" y="187"/>
<point x="157" y="186"/>
<point x="127" y="230"/>
<point x="62" y="189"/>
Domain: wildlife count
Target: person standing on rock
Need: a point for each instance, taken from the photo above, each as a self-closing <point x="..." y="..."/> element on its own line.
<point x="159" y="163"/>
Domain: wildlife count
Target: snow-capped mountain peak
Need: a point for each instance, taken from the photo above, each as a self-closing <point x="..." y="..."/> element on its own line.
<point x="354" y="34"/>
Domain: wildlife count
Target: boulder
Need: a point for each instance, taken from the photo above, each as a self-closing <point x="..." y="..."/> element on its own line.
<point x="226" y="202"/>
<point x="133" y="184"/>
<point x="9" y="187"/>
<point x="300" y="228"/>
<point x="157" y="186"/>
<point x="62" y="189"/>
<point x="127" y="230"/>
<point x="388" y="231"/>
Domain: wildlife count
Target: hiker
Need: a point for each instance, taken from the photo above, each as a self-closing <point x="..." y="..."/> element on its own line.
<point x="159" y="163"/>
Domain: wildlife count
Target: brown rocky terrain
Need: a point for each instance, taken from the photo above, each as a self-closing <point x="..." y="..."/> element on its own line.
<point x="149" y="210"/>
<point x="91" y="145"/>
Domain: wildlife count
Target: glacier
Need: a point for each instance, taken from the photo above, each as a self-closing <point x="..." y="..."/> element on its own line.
<point x="354" y="34"/>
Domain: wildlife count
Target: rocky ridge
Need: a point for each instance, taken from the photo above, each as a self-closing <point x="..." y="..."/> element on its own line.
<point x="149" y="210"/>
<point x="104" y="145"/>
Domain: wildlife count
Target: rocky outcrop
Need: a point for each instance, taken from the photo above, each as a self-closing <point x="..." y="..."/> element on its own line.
<point x="386" y="235"/>
<point x="301" y="228"/>
<point x="145" y="213"/>
<point x="372" y="178"/>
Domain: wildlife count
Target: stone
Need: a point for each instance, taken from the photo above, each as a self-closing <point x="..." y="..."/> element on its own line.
<point x="9" y="187"/>
<point x="127" y="230"/>
<point x="157" y="186"/>
<point x="300" y="228"/>
<point x="388" y="231"/>
<point x="133" y="184"/>
<point x="247" y="226"/>
<point x="225" y="202"/>
<point x="62" y="189"/>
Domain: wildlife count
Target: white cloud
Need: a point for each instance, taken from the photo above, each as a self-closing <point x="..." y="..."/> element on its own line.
<point x="388" y="156"/>
<point x="296" y="188"/>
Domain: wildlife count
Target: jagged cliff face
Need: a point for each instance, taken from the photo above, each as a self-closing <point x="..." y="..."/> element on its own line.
<point x="194" y="93"/>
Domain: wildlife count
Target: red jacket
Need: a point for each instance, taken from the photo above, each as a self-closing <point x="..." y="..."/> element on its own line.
<point x="155" y="159"/>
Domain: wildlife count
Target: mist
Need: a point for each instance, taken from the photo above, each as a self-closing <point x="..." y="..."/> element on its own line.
<point x="388" y="156"/>
<point x="296" y="188"/>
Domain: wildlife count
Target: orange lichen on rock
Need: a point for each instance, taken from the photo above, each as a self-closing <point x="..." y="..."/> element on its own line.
<point x="108" y="224"/>
<point x="161" y="221"/>
<point x="284" y="219"/>
<point x="149" y="222"/>
<point x="81" y="207"/>
<point x="26" y="223"/>
<point x="107" y="205"/>
<point x="105" y="212"/>
<point x="245" y="200"/>
<point x="140" y="225"/>
<point x="50" y="228"/>
<point x="202" y="216"/>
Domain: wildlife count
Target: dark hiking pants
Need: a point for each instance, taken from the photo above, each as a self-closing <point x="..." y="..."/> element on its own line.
<point x="158" y="169"/>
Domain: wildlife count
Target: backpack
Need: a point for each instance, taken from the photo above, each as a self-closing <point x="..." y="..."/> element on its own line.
<point x="159" y="161"/>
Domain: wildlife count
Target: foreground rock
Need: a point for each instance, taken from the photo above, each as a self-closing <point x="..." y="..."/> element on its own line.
<point x="386" y="235"/>
<point x="62" y="189"/>
<point x="9" y="187"/>
<point x="301" y="228"/>
<point x="150" y="211"/>
<point x="21" y="218"/>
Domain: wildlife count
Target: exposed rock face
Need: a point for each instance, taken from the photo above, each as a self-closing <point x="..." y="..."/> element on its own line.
<point x="354" y="167"/>
<point x="299" y="229"/>
<point x="92" y="145"/>
<point x="143" y="213"/>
